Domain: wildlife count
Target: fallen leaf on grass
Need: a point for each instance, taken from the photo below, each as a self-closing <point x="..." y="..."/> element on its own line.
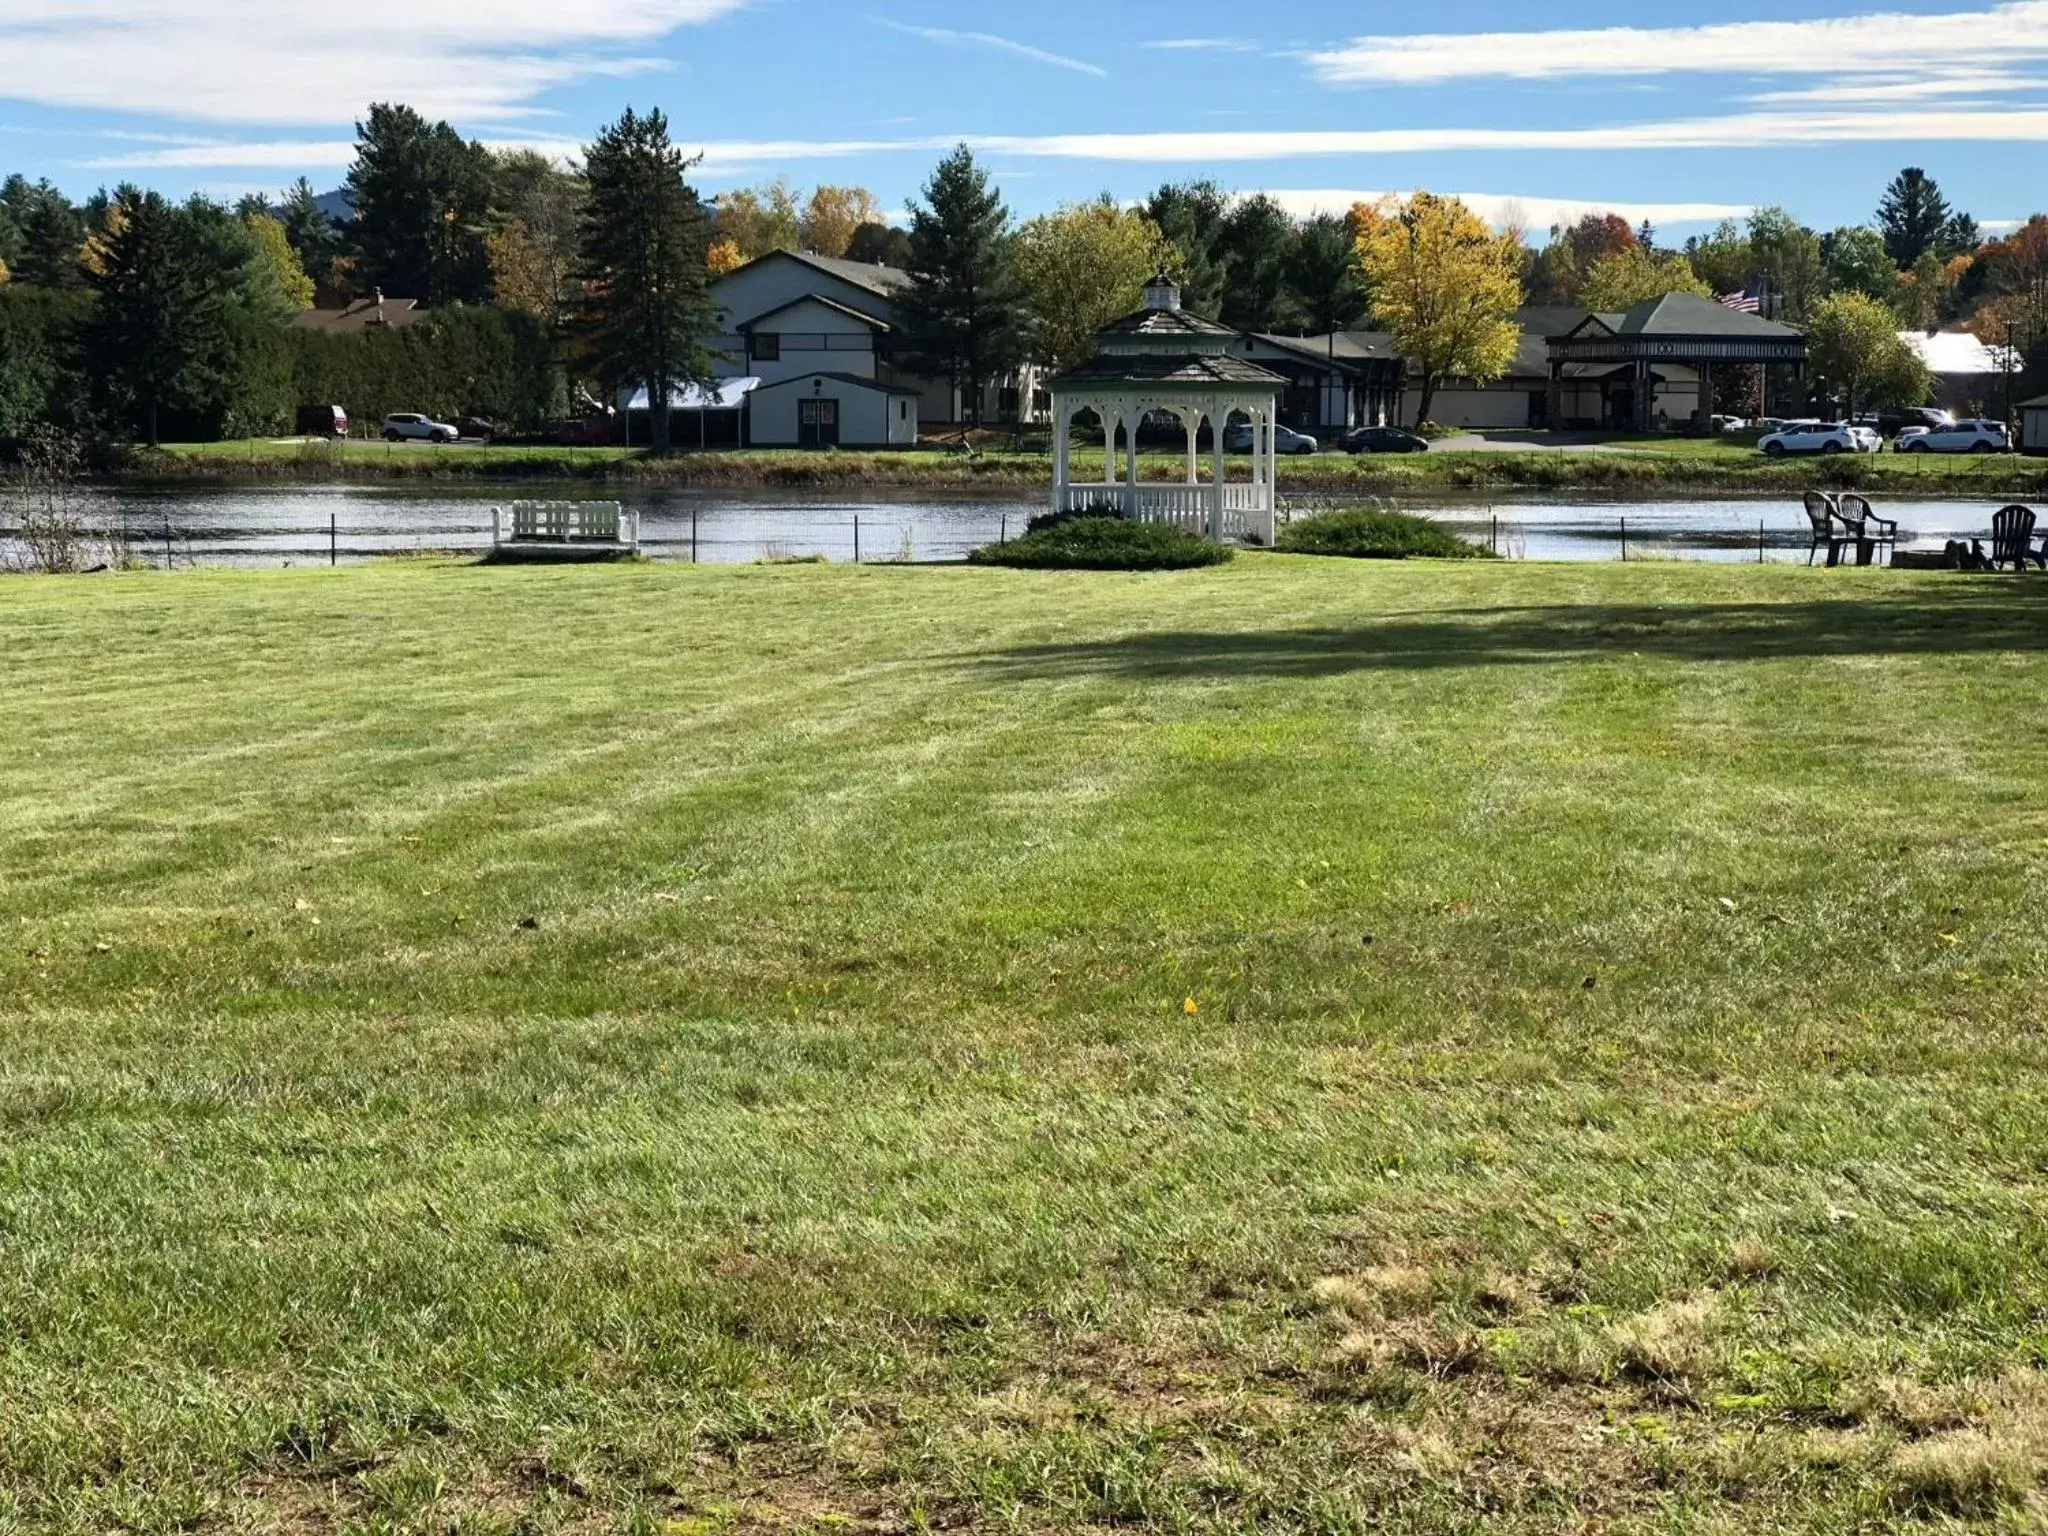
<point x="1191" y="1007"/>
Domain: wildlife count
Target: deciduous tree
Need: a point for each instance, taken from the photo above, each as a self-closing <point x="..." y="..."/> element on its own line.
<point x="1723" y="260"/>
<point x="1785" y="255"/>
<point x="1632" y="275"/>
<point x="647" y="304"/>
<point x="1445" y="285"/>
<point x="961" y="315"/>
<point x="761" y="219"/>
<point x="1081" y="267"/>
<point x="832" y="216"/>
<point x="274" y="249"/>
<point x="1855" y="354"/>
<point x="880" y="245"/>
<point x="1859" y="261"/>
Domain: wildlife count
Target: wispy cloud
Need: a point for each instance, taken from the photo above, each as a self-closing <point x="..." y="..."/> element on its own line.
<point x="1204" y="44"/>
<point x="1509" y="209"/>
<point x="1885" y="42"/>
<point x="262" y="61"/>
<point x="1780" y="130"/>
<point x="1011" y="46"/>
<point x="1871" y="89"/>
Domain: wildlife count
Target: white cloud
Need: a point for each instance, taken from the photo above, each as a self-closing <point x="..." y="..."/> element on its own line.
<point x="1204" y="45"/>
<point x="1870" y="90"/>
<point x="1752" y="130"/>
<point x="1884" y="42"/>
<point x="273" y="61"/>
<point x="1007" y="45"/>
<point x="1505" y="209"/>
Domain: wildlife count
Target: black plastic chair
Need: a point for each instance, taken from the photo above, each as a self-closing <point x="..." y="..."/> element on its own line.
<point x="1825" y="516"/>
<point x="2012" y="540"/>
<point x="1871" y="531"/>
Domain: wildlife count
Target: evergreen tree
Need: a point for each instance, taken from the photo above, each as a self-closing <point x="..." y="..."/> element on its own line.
<point x="52" y="238"/>
<point x="1257" y="247"/>
<point x="1326" y="288"/>
<point x="1912" y="216"/>
<point x="1960" y="236"/>
<point x="962" y="315"/>
<point x="155" y="318"/>
<point x="647" y="305"/>
<point x="1192" y="215"/>
<point x="422" y="199"/>
<point x="879" y="245"/>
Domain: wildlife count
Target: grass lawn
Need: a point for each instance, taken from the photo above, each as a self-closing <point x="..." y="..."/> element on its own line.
<point x="1652" y="465"/>
<point x="1297" y="1047"/>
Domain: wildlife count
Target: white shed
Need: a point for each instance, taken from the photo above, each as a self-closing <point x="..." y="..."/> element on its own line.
<point x="2034" y="426"/>
<point x="833" y="410"/>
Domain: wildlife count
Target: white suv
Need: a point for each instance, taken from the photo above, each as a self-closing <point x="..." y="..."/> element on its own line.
<point x="417" y="429"/>
<point x="1963" y="437"/>
<point x="1820" y="437"/>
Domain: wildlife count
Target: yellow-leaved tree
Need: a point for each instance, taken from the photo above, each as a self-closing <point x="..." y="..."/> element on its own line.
<point x="725" y="256"/>
<point x="277" y="255"/>
<point x="833" y="214"/>
<point x="1083" y="266"/>
<point x="1444" y="284"/>
<point x="1629" y="277"/>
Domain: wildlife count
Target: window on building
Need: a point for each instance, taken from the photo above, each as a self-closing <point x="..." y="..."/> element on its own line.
<point x="1006" y="404"/>
<point x="767" y="347"/>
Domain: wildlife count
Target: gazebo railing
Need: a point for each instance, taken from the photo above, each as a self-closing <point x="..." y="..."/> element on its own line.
<point x="1247" y="508"/>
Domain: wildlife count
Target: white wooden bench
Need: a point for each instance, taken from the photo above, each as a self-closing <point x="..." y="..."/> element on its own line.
<point x="566" y="522"/>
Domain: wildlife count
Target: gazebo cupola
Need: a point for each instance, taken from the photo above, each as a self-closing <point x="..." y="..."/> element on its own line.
<point x="1166" y="360"/>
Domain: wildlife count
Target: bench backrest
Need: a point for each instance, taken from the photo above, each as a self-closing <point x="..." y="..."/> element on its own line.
<point x="566" y="520"/>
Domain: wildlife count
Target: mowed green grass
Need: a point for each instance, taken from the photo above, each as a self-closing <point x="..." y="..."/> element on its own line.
<point x="1299" y="1047"/>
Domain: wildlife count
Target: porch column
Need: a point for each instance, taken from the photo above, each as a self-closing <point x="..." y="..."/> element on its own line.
<point x="1553" y="405"/>
<point x="1217" y="416"/>
<point x="1703" y="417"/>
<point x="1646" y="395"/>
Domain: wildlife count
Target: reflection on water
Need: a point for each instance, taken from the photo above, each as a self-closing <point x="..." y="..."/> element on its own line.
<point x="299" y="525"/>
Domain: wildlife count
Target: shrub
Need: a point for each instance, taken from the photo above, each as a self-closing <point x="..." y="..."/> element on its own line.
<point x="1103" y="544"/>
<point x="1368" y="533"/>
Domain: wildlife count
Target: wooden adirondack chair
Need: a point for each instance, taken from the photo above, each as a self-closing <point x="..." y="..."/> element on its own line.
<point x="1826" y="517"/>
<point x="1870" y="530"/>
<point x="2012" y="540"/>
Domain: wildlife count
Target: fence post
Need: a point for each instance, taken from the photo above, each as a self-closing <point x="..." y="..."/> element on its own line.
<point x="1004" y="536"/>
<point x="693" y="535"/>
<point x="856" y="538"/>
<point x="1624" y="541"/>
<point x="167" y="541"/>
<point x="333" y="541"/>
<point x="1759" y="541"/>
<point x="1496" y="533"/>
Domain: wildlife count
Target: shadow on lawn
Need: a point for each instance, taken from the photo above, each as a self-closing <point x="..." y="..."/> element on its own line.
<point x="1977" y="619"/>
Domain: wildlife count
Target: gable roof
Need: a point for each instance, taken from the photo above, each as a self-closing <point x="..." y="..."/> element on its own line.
<point x="1346" y="349"/>
<point x="814" y="298"/>
<point x="362" y="315"/>
<point x="884" y="282"/>
<point x="1687" y="314"/>
<point x="843" y="378"/>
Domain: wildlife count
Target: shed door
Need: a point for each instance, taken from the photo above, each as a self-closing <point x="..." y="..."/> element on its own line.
<point x="817" y="424"/>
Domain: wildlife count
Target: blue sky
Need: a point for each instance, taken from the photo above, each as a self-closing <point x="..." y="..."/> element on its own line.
<point x="1657" y="111"/>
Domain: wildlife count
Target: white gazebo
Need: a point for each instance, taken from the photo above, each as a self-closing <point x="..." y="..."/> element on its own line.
<point x="1167" y="360"/>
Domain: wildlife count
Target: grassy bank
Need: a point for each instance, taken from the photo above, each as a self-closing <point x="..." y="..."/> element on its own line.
<point x="1651" y="465"/>
<point x="1298" y="1047"/>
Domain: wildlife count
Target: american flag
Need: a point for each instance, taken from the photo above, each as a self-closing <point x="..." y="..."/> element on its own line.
<point x="1748" y="303"/>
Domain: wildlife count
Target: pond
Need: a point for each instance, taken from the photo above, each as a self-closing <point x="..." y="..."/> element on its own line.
<point x="300" y="525"/>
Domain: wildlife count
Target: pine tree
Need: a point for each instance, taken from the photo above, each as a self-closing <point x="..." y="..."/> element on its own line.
<point x="647" y="305"/>
<point x="422" y="198"/>
<point x="52" y="238"/>
<point x="156" y="316"/>
<point x="1912" y="216"/>
<point x="1326" y="288"/>
<point x="962" y="315"/>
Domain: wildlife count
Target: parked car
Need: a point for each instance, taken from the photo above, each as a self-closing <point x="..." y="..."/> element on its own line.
<point x="1730" y="424"/>
<point x="1237" y="438"/>
<point x="409" y="427"/>
<point x="1962" y="437"/>
<point x="323" y="421"/>
<point x="1821" y="437"/>
<point x="584" y="432"/>
<point x="1383" y="440"/>
<point x="482" y="428"/>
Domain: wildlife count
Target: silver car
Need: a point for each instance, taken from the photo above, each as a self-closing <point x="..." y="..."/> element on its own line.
<point x="407" y="427"/>
<point x="1237" y="438"/>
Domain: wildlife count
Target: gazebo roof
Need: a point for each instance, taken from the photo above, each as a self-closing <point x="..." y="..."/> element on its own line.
<point x="1163" y="322"/>
<point x="1191" y="370"/>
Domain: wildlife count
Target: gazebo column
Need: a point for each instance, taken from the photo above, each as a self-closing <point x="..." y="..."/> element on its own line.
<point x="1110" y="422"/>
<point x="1218" y="415"/>
<point x="1133" y="508"/>
<point x="1062" y="453"/>
<point x="1191" y="422"/>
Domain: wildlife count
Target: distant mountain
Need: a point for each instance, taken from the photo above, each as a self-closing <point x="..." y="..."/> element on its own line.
<point x="336" y="205"/>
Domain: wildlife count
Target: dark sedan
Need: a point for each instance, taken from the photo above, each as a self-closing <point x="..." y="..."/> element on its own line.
<point x="1383" y="440"/>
